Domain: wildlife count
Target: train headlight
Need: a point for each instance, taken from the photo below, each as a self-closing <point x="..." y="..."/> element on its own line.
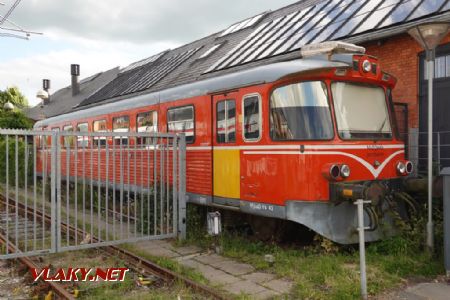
<point x="401" y="168"/>
<point x="366" y="66"/>
<point x="345" y="171"/>
<point x="335" y="172"/>
<point x="409" y="167"/>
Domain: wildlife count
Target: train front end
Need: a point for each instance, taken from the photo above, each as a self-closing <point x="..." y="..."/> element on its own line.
<point x="363" y="159"/>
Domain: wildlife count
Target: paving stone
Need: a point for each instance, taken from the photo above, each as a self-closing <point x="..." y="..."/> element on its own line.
<point x="259" y="277"/>
<point x="246" y="287"/>
<point x="435" y="291"/>
<point x="189" y="263"/>
<point x="215" y="276"/>
<point x="160" y="251"/>
<point x="235" y="268"/>
<point x="267" y="294"/>
<point x="279" y="285"/>
<point x="186" y="250"/>
<point x="221" y="278"/>
<point x="211" y="259"/>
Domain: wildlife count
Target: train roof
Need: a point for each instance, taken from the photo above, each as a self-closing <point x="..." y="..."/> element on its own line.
<point x="264" y="40"/>
<point x="253" y="76"/>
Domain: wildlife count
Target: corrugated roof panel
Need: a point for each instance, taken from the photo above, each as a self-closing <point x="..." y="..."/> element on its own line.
<point x="354" y="8"/>
<point x="426" y="7"/>
<point x="377" y="16"/>
<point x="402" y="11"/>
<point x="326" y="20"/>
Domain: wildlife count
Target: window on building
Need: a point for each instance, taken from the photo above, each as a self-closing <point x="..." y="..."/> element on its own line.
<point x="252" y="118"/>
<point x="69" y="141"/>
<point x="181" y="120"/>
<point x="226" y="121"/>
<point x="100" y="126"/>
<point x="82" y="140"/>
<point x="121" y="124"/>
<point x="441" y="67"/>
<point x="146" y="122"/>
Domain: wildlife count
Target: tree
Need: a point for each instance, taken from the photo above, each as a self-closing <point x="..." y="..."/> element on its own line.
<point x="13" y="95"/>
<point x="14" y="120"/>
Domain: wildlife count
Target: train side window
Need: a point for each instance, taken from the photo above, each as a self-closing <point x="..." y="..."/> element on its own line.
<point x="121" y="124"/>
<point x="252" y="118"/>
<point x="181" y="120"/>
<point x="68" y="140"/>
<point x="82" y="140"/>
<point x="146" y="122"/>
<point x="100" y="126"/>
<point x="226" y="121"/>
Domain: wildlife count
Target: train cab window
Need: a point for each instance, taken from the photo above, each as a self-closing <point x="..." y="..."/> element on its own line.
<point x="146" y="122"/>
<point x="226" y="121"/>
<point x="121" y="124"/>
<point x="361" y="111"/>
<point x="82" y="140"/>
<point x="181" y="120"/>
<point x="100" y="126"/>
<point x="68" y="140"/>
<point x="300" y="111"/>
<point x="252" y="118"/>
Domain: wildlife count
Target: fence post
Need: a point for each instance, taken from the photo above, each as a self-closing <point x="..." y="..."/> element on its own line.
<point x="182" y="189"/>
<point x="439" y="151"/>
<point x="446" y="174"/>
<point x="53" y="176"/>
<point x="362" y="247"/>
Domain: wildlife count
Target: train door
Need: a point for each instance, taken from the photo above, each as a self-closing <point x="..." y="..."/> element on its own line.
<point x="226" y="156"/>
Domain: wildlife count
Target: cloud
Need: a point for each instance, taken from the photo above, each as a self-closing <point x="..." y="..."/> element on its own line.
<point x="102" y="34"/>
<point x="138" y="21"/>
<point x="27" y="72"/>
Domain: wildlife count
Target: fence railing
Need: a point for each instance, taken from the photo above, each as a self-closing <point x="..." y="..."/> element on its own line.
<point x="73" y="190"/>
<point x="417" y="150"/>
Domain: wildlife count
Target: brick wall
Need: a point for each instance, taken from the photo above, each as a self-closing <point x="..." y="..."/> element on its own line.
<point x="399" y="56"/>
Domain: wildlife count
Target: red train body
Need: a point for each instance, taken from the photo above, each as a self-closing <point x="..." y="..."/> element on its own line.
<point x="280" y="140"/>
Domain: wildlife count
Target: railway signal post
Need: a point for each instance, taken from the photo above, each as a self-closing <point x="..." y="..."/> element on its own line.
<point x="362" y="247"/>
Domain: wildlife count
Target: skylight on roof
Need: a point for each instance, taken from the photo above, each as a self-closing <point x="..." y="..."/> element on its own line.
<point x="243" y="24"/>
<point x="142" y="62"/>
<point x="210" y="51"/>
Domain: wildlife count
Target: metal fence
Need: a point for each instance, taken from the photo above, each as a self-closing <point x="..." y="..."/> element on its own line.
<point x="72" y="190"/>
<point x="417" y="150"/>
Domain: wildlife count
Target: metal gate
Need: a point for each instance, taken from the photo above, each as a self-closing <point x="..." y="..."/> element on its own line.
<point x="72" y="190"/>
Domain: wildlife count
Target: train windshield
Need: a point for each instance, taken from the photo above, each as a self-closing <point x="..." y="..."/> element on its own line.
<point x="361" y="111"/>
<point x="300" y="111"/>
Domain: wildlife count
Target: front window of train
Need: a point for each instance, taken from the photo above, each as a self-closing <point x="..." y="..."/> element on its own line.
<point x="300" y="111"/>
<point x="361" y="111"/>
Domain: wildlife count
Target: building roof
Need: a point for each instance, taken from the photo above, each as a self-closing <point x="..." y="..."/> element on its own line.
<point x="269" y="37"/>
<point x="256" y="75"/>
<point x="62" y="101"/>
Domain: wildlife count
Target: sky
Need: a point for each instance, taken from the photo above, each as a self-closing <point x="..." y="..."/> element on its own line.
<point x="102" y="34"/>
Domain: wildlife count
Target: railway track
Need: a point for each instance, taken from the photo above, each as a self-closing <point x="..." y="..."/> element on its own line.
<point x="135" y="262"/>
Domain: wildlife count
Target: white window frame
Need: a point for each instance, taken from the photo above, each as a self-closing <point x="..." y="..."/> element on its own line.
<point x="259" y="117"/>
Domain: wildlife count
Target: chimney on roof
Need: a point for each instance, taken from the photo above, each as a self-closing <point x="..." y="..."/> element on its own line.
<point x="75" y="72"/>
<point x="46" y="87"/>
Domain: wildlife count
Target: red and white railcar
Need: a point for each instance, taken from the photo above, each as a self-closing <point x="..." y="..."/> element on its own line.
<point x="295" y="140"/>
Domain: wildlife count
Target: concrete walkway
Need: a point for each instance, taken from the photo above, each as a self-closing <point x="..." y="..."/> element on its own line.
<point x="231" y="276"/>
<point x="422" y="291"/>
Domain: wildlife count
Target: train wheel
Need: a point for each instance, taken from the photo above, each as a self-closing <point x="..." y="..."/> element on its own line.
<point x="265" y="229"/>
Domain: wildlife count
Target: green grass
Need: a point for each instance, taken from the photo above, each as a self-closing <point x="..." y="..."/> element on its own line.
<point x="325" y="270"/>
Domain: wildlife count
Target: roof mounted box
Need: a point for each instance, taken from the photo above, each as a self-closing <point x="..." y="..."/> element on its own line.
<point x="329" y="48"/>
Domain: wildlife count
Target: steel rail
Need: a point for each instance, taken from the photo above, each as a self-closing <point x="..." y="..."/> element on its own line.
<point x="56" y="287"/>
<point x="138" y="262"/>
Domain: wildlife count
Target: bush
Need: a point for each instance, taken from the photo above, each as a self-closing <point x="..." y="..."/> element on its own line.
<point x="11" y="161"/>
<point x="14" y="120"/>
